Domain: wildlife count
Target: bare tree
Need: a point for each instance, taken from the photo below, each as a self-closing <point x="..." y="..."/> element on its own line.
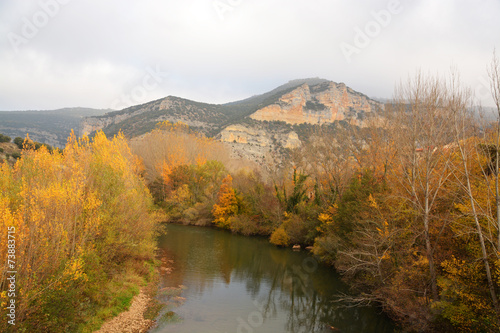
<point x="466" y="142"/>
<point x="327" y="157"/>
<point x="494" y="74"/>
<point x="423" y="166"/>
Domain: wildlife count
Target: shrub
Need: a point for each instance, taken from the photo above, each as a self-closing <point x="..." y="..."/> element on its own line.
<point x="16" y="155"/>
<point x="279" y="237"/>
<point x="244" y="225"/>
<point x="19" y="142"/>
<point x="295" y="228"/>
<point x="4" y="138"/>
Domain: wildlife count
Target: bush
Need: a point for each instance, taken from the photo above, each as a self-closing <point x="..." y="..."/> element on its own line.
<point x="295" y="229"/>
<point x="4" y="138"/>
<point x="279" y="237"/>
<point x="16" y="155"/>
<point x="1" y="150"/>
<point x="19" y="142"/>
<point x="244" y="225"/>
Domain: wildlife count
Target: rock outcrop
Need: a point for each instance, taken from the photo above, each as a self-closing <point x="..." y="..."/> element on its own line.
<point x="318" y="104"/>
<point x="256" y="144"/>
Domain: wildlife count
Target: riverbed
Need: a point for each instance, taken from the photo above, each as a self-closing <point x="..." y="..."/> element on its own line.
<point x="231" y="283"/>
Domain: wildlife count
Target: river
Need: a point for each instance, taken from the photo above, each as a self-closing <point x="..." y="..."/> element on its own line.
<point x="233" y="283"/>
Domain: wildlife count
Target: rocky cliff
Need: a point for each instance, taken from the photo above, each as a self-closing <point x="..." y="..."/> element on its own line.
<point x="318" y="104"/>
<point x="258" y="144"/>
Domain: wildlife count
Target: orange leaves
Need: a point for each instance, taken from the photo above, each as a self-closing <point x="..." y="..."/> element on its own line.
<point x="227" y="203"/>
<point x="171" y="145"/>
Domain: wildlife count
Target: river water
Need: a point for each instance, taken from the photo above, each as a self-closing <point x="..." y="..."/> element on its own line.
<point x="232" y="283"/>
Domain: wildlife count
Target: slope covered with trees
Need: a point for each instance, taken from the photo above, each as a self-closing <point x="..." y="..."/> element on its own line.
<point x="51" y="127"/>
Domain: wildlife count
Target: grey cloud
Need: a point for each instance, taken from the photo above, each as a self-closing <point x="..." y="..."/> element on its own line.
<point x="91" y="52"/>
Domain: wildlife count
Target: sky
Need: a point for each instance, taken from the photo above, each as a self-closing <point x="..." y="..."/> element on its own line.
<point x="114" y="54"/>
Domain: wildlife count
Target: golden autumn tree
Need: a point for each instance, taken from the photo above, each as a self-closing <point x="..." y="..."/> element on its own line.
<point x="227" y="203"/>
<point x="80" y="217"/>
<point x="170" y="146"/>
<point x="422" y="164"/>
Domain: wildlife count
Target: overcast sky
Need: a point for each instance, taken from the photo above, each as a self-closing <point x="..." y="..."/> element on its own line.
<point x="113" y="54"/>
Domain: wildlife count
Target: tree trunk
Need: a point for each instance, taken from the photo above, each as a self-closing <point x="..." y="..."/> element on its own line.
<point x="430" y="258"/>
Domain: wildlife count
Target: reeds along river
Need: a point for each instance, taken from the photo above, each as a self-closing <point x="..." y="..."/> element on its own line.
<point x="239" y="284"/>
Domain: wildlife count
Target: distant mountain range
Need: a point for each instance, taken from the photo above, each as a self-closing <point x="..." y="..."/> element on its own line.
<point x="311" y="101"/>
<point x="254" y="127"/>
<point x="52" y="127"/>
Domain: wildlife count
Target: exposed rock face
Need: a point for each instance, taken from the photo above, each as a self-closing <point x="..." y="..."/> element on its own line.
<point x="258" y="137"/>
<point x="256" y="144"/>
<point x="323" y="103"/>
<point x="242" y="134"/>
<point x="91" y="124"/>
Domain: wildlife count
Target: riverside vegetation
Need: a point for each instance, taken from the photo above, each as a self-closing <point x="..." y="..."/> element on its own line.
<point x="407" y="208"/>
<point x="84" y="234"/>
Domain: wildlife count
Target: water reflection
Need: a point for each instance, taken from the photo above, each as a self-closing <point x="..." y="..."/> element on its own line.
<point x="239" y="284"/>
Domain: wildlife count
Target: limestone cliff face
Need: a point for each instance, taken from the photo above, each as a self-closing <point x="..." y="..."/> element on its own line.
<point x="258" y="137"/>
<point x="256" y="144"/>
<point x="323" y="103"/>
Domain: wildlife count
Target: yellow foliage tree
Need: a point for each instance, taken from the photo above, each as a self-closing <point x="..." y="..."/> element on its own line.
<point x="75" y="215"/>
<point x="279" y="237"/>
<point x="227" y="204"/>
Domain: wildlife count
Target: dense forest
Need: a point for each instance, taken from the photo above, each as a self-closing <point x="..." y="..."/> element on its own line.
<point x="407" y="209"/>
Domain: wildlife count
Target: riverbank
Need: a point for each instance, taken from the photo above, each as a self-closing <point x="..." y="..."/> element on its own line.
<point x="144" y="307"/>
<point x="131" y="321"/>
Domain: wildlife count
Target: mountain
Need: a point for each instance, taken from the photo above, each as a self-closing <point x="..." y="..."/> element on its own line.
<point x="52" y="127"/>
<point x="256" y="127"/>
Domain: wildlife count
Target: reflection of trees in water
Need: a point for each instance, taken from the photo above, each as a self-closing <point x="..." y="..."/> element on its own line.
<point x="301" y="289"/>
<point x="309" y="308"/>
<point x="294" y="293"/>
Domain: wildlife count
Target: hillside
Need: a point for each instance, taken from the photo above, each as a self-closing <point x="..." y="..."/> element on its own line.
<point x="52" y="127"/>
<point x="256" y="127"/>
<point x="9" y="152"/>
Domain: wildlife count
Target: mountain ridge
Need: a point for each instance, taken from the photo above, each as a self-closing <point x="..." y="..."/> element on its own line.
<point x="48" y="126"/>
<point x="211" y="119"/>
<point x="260" y="128"/>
